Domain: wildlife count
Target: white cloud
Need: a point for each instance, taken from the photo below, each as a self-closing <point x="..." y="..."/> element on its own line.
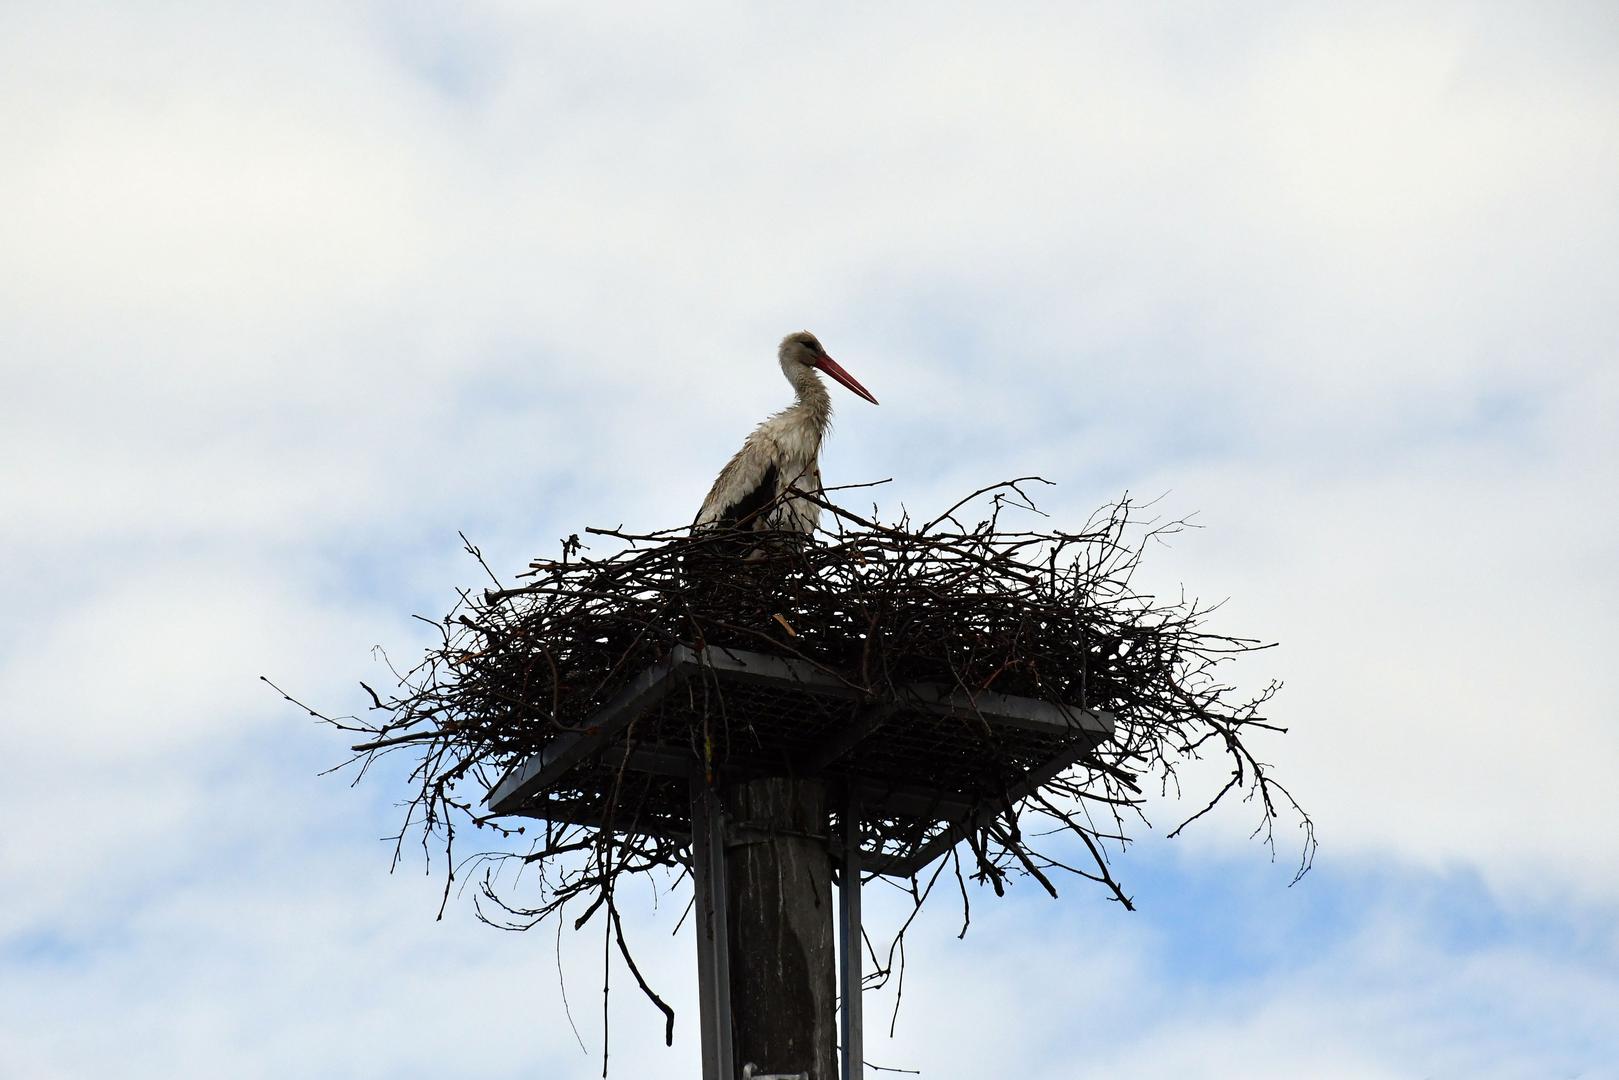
<point x="1104" y="995"/>
<point x="1444" y="616"/>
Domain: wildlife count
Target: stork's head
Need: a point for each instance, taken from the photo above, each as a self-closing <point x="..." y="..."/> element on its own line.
<point x="804" y="348"/>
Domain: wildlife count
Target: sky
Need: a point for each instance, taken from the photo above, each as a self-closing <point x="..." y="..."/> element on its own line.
<point x="290" y="294"/>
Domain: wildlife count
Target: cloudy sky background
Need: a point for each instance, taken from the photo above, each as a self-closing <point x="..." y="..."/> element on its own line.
<point x="289" y="294"/>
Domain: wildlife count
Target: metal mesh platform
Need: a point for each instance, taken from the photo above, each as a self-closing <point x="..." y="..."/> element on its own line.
<point x="927" y="764"/>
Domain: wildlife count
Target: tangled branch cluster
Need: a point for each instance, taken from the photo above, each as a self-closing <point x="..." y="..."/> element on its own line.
<point x="975" y="604"/>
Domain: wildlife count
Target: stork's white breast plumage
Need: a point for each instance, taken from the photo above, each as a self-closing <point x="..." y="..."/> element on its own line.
<point x="783" y="452"/>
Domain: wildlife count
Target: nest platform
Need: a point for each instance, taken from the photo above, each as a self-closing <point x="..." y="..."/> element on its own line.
<point x="928" y="762"/>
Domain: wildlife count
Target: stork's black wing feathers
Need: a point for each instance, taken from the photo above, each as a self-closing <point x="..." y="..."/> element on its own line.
<point x="743" y="513"/>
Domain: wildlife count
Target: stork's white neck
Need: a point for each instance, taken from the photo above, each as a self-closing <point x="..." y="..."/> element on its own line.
<point x="814" y="404"/>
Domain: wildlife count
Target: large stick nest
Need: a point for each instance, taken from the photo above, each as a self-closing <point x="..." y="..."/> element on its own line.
<point x="963" y="599"/>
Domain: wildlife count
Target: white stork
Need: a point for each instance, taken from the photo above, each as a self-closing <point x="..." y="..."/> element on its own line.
<point x="782" y="452"/>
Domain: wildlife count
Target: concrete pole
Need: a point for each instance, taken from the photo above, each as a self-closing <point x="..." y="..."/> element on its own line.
<point x="783" y="970"/>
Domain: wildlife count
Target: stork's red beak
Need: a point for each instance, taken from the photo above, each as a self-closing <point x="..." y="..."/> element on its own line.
<point x="832" y="368"/>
